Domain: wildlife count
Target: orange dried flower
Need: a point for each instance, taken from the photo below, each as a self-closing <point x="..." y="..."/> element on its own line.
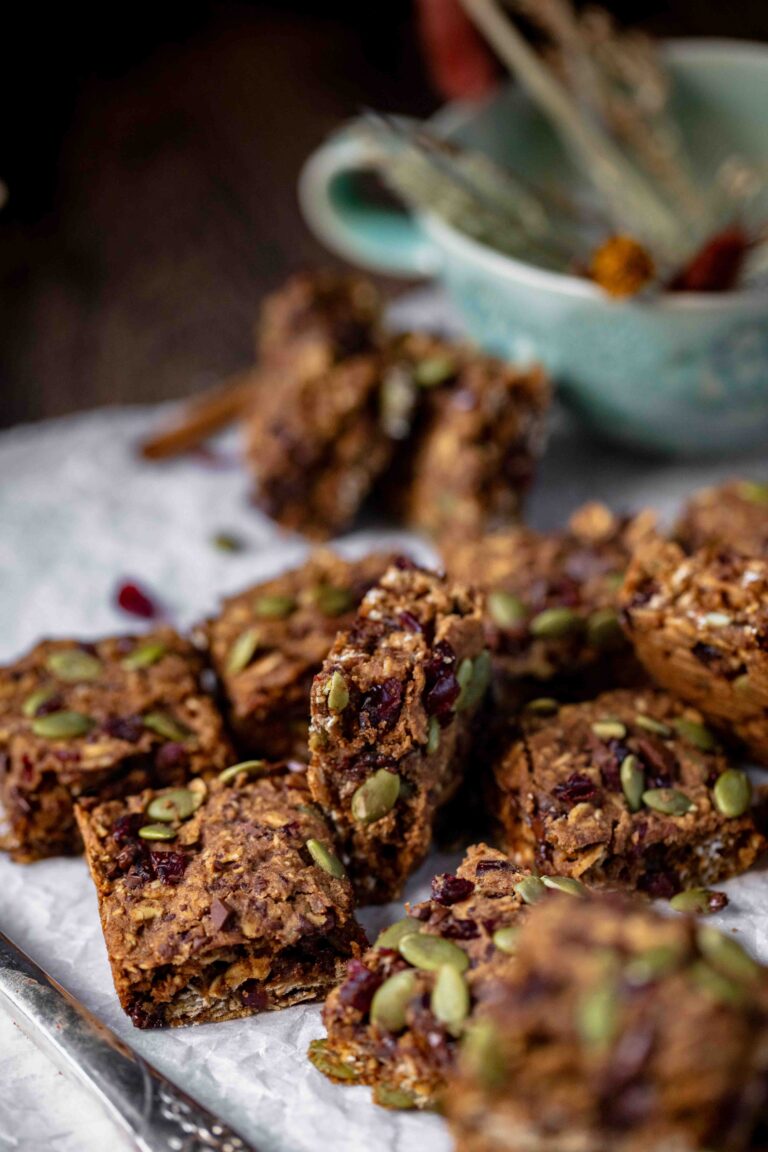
<point x="622" y="266"/>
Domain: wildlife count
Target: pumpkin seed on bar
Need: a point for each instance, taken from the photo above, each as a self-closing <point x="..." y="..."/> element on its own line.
<point x="597" y="1016"/>
<point x="431" y="952"/>
<point x="434" y="370"/>
<point x="387" y="1096"/>
<point x="326" y="859"/>
<point x="609" y="729"/>
<point x="450" y="998"/>
<point x="481" y="1054"/>
<point x="333" y="601"/>
<point x="668" y="801"/>
<point x="530" y="890"/>
<point x="543" y="706"/>
<point x="391" y="1000"/>
<point x="604" y="630"/>
<point x="505" y="609"/>
<point x="176" y="804"/>
<point x="376" y="797"/>
<point x="243" y="651"/>
<point x="725" y="955"/>
<point x="732" y="793"/>
<point x="73" y="664"/>
<point x="481" y="678"/>
<point x="328" y="1062"/>
<point x="567" y="884"/>
<point x="35" y="700"/>
<point x="696" y="900"/>
<point x="505" y="939"/>
<point x="464" y="677"/>
<point x="62" y="725"/>
<point x="145" y="655"/>
<point x="553" y="623"/>
<point x="652" y="964"/>
<point x="695" y="734"/>
<point x="652" y="725"/>
<point x="337" y="692"/>
<point x="632" y="779"/>
<point x="157" y="832"/>
<point x="245" y="767"/>
<point x="716" y="985"/>
<point x="274" y="607"/>
<point x="433" y="735"/>
<point x="390" y="937"/>
<point x="165" y="725"/>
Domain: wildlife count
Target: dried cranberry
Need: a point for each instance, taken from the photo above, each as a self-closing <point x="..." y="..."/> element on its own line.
<point x="661" y="885"/>
<point x="717" y="901"/>
<point x="171" y="755"/>
<point x="381" y="705"/>
<point x="409" y="622"/>
<point x="128" y="728"/>
<point x="169" y="866"/>
<point x="53" y="703"/>
<point x="716" y="266"/>
<point x="145" y="1016"/>
<point x="494" y="866"/>
<point x="577" y="789"/>
<point x="358" y="989"/>
<point x="404" y="563"/>
<point x="460" y="929"/>
<point x="126" y="828"/>
<point x="254" y="996"/>
<point x="442" y="687"/>
<point x="134" y="600"/>
<point x="448" y="889"/>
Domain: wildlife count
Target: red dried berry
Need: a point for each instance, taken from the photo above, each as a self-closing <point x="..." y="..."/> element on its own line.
<point x="126" y="828"/>
<point x="577" y="789"/>
<point x="168" y="866"/>
<point x="134" y="600"/>
<point x="254" y="996"/>
<point x="382" y="704"/>
<point x="716" y="266"/>
<point x="128" y="728"/>
<point x="442" y="687"/>
<point x="359" y="987"/>
<point x="449" y="889"/>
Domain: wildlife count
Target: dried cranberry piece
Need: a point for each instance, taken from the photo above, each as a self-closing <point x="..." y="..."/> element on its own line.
<point x="254" y="996"/>
<point x="53" y="703"/>
<point x="404" y="563"/>
<point x="358" y="988"/>
<point x="128" y="728"/>
<point x="717" y="901"/>
<point x="171" y="755"/>
<point x="168" y="866"/>
<point x="717" y="264"/>
<point x="661" y="885"/>
<point x="449" y="889"/>
<point x="442" y="687"/>
<point x="460" y="929"/>
<point x="577" y="789"/>
<point x="134" y="600"/>
<point x="409" y="622"/>
<point x="381" y="705"/>
<point x="145" y="1015"/>
<point x="494" y="866"/>
<point x="126" y="828"/>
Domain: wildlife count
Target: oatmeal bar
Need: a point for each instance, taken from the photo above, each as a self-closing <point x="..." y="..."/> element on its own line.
<point x="315" y="320"/>
<point x="479" y="427"/>
<point x="392" y="712"/>
<point x="733" y="516"/>
<point x="220" y="900"/>
<point x="551" y="598"/>
<point x="616" y="1030"/>
<point x="102" y="719"/>
<point x="395" y="1021"/>
<point x="700" y="626"/>
<point x="627" y="790"/>
<point x="268" y="642"/>
<point x="316" y="444"/>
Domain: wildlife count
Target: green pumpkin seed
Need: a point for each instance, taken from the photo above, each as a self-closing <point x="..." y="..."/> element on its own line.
<point x="716" y="985"/>
<point x="482" y="670"/>
<point x="274" y="607"/>
<point x="433" y="736"/>
<point x="333" y="601"/>
<point x="450" y="998"/>
<point x="543" y="706"/>
<point x="632" y="779"/>
<point x="482" y="1056"/>
<point x="35" y="700"/>
<point x="505" y="939"/>
<point x="337" y="692"/>
<point x="668" y="801"/>
<point x="609" y="729"/>
<point x="695" y="734"/>
<point x="651" y="725"/>
<point x="73" y="664"/>
<point x="329" y="1063"/>
<point x="754" y="492"/>
<point x="732" y="793"/>
<point x="157" y="832"/>
<point x="243" y="651"/>
<point x="391" y="1000"/>
<point x="695" y="900"/>
<point x="604" y="630"/>
<point x="62" y="725"/>
<point x="597" y="1016"/>
<point x="145" y="655"/>
<point x="431" y="952"/>
<point x="717" y="619"/>
<point x="726" y="956"/>
<point x="326" y="859"/>
<point x="530" y="890"/>
<point x="244" y="768"/>
<point x="391" y="936"/>
<point x="387" y="1096"/>
<point x="165" y="725"/>
<point x="652" y="964"/>
<point x="376" y="797"/>
<point x="505" y="609"/>
<point x="568" y="884"/>
<point x="554" y="623"/>
<point x="176" y="804"/>
<point x="434" y="370"/>
<point x="464" y="677"/>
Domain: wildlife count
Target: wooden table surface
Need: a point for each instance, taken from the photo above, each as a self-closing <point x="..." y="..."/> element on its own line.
<point x="153" y="201"/>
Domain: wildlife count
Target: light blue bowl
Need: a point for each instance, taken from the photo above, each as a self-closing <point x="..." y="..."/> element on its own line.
<point x="684" y="372"/>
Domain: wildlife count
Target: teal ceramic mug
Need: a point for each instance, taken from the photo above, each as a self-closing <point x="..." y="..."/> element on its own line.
<point x="682" y="372"/>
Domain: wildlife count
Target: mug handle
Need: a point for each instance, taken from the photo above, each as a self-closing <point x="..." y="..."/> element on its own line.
<point x="377" y="238"/>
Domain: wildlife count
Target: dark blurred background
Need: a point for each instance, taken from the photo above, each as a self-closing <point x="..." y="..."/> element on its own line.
<point x="151" y="154"/>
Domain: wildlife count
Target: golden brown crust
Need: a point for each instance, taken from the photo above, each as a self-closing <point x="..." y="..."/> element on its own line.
<point x="732" y="516"/>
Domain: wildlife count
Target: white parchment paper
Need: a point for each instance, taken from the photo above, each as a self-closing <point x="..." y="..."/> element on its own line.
<point x="79" y="512"/>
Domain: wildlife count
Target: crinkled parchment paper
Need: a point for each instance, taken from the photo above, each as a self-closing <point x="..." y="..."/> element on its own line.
<point x="79" y="512"/>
